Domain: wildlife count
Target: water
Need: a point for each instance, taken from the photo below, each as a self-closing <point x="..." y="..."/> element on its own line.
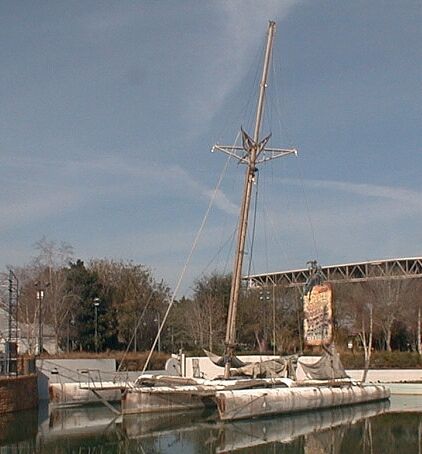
<point x="381" y="427"/>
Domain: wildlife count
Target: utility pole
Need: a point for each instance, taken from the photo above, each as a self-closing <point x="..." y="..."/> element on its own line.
<point x="256" y="152"/>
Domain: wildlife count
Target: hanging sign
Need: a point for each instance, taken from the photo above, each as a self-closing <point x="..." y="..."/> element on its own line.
<point x="318" y="315"/>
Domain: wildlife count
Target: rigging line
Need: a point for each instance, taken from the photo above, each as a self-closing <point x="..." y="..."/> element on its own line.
<point x="224" y="241"/>
<point x="273" y="231"/>
<point x="135" y="331"/>
<point x="228" y="240"/>
<point x="267" y="265"/>
<point x="263" y="210"/>
<point x="254" y="223"/>
<point x="250" y="106"/>
<point x="308" y="212"/>
<point x="268" y="112"/>
<point x="277" y="106"/>
<point x="246" y="112"/>
<point x="185" y="266"/>
<point x="230" y="250"/>
<point x="281" y="126"/>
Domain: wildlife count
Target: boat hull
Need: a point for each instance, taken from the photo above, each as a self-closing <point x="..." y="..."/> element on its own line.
<point x="73" y="394"/>
<point x="252" y="403"/>
<point x="177" y="393"/>
<point x="145" y="401"/>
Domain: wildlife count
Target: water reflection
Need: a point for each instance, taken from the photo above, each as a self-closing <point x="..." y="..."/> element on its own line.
<point x="18" y="432"/>
<point x="365" y="428"/>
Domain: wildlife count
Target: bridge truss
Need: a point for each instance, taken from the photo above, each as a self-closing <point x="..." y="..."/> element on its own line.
<point x="398" y="268"/>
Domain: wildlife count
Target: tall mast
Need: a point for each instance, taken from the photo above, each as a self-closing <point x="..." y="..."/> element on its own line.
<point x="256" y="152"/>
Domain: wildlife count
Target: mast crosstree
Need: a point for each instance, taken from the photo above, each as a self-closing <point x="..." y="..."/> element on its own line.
<point x="252" y="152"/>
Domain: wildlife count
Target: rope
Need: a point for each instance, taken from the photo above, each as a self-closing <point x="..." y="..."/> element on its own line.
<point x="282" y="127"/>
<point x="182" y="274"/>
<point x="308" y="213"/>
<point x="228" y="240"/>
<point x="135" y="331"/>
<point x="252" y="241"/>
<point x="249" y="403"/>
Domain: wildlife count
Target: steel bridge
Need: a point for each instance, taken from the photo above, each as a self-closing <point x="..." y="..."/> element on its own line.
<point x="398" y="268"/>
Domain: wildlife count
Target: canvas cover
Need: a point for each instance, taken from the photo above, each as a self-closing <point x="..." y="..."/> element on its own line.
<point x="264" y="369"/>
<point x="328" y="367"/>
<point x="284" y="366"/>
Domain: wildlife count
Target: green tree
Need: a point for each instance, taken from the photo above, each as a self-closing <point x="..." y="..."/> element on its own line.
<point x="84" y="289"/>
<point x="137" y="300"/>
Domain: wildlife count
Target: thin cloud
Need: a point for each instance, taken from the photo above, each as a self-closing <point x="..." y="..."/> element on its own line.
<point x="406" y="196"/>
<point x="351" y="205"/>
<point x="30" y="208"/>
<point x="116" y="177"/>
<point x="174" y="179"/>
<point x="347" y="222"/>
<point x="230" y="59"/>
<point x="222" y="202"/>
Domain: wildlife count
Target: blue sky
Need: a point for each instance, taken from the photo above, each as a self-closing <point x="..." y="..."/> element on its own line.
<point x="109" y="109"/>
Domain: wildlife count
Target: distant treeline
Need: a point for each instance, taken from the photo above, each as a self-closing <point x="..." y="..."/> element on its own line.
<point x="117" y="305"/>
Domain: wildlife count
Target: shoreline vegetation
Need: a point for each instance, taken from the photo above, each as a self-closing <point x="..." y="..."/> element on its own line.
<point x="133" y="361"/>
<point x="60" y="304"/>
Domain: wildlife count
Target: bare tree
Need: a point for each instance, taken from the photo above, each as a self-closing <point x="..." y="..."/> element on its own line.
<point x="389" y="297"/>
<point x="355" y="312"/>
<point x="411" y="314"/>
<point x="50" y="263"/>
<point x="208" y="315"/>
<point x="28" y="310"/>
<point x="367" y="341"/>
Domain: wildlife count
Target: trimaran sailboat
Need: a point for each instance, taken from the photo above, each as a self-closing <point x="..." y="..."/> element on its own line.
<point x="246" y="397"/>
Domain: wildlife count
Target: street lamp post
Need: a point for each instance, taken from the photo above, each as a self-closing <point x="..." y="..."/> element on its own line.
<point x="264" y="297"/>
<point x="40" y="297"/>
<point x="96" y="304"/>
<point x="70" y="322"/>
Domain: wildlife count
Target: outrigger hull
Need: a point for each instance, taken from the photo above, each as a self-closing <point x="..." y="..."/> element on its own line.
<point x="247" y="398"/>
<point x="242" y="404"/>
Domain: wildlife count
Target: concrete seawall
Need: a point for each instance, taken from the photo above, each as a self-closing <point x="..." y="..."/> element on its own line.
<point x="388" y="375"/>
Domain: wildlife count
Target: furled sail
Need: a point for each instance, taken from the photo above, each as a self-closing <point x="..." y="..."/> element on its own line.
<point x="278" y="367"/>
<point x="220" y="360"/>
